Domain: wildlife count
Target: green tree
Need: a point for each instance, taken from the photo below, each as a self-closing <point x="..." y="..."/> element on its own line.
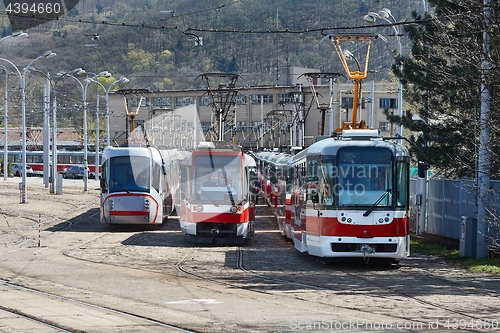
<point x="442" y="84"/>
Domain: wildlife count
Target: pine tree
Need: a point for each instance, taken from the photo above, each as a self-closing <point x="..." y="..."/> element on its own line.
<point x="442" y="85"/>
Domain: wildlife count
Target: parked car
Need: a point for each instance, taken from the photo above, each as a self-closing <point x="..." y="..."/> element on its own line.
<point x="16" y="170"/>
<point x="75" y="171"/>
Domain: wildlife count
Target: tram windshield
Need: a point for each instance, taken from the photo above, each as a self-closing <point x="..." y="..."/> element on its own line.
<point x="363" y="177"/>
<point x="129" y="173"/>
<point x="218" y="179"/>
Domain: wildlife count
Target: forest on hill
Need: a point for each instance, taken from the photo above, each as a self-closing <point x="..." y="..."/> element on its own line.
<point x="166" y="44"/>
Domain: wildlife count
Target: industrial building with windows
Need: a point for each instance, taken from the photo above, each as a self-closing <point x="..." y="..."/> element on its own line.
<point x="252" y="117"/>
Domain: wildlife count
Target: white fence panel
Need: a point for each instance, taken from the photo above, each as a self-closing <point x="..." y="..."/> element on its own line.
<point x="448" y="200"/>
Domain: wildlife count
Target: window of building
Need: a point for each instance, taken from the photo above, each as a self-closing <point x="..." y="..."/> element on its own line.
<point x="134" y="101"/>
<point x="287" y="98"/>
<point x="162" y="101"/>
<point x="388" y="103"/>
<point x="255" y="99"/>
<point x="241" y="126"/>
<point x="185" y="101"/>
<point x="384" y="126"/>
<point x="347" y="102"/>
<point x="240" y="99"/>
<point x="205" y="100"/>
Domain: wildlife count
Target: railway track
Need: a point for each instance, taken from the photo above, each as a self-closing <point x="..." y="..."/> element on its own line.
<point x="68" y="314"/>
<point x="179" y="279"/>
<point x="352" y="281"/>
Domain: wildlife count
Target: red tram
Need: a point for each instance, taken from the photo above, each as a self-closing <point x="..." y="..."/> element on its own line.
<point x="65" y="159"/>
<point x="217" y="202"/>
<point x="349" y="196"/>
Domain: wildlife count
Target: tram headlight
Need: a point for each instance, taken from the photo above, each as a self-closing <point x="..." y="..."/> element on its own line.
<point x="110" y="204"/>
<point x="233" y="209"/>
<point x="349" y="220"/>
<point x="380" y="220"/>
<point x="146" y="204"/>
<point x="199" y="208"/>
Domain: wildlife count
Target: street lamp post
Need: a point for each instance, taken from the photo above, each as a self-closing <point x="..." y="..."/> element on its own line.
<point x="15" y="34"/>
<point x="23" y="184"/>
<point x="124" y="80"/>
<point x="22" y="76"/>
<point x="5" y="110"/>
<point x="107" y="91"/>
<point x="5" y="118"/>
<point x="87" y="82"/>
<point x="48" y="54"/>
<point x="80" y="72"/>
<point x="47" y="173"/>
<point x="386" y="15"/>
<point x="46" y="127"/>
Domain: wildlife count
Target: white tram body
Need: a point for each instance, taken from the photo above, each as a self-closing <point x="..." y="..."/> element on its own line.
<point x="349" y="196"/>
<point x="276" y="181"/>
<point x="217" y="196"/>
<point x="138" y="184"/>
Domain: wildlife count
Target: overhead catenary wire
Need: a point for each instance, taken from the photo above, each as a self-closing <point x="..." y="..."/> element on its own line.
<point x="190" y="31"/>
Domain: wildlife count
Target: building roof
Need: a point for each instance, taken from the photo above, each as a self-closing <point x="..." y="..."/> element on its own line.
<point x="67" y="138"/>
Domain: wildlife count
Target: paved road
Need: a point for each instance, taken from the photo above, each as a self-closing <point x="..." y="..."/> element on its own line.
<point x="58" y="264"/>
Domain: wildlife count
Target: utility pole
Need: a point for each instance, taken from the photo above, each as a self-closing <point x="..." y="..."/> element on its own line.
<point x="483" y="175"/>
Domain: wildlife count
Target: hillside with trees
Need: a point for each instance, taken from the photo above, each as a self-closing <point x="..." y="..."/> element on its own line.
<point x="165" y="44"/>
<point x="168" y="44"/>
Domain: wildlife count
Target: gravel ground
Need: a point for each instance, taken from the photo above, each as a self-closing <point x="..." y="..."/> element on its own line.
<point x="59" y="264"/>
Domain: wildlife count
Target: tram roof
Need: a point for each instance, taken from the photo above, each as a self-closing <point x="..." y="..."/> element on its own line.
<point x="331" y="146"/>
<point x="138" y="151"/>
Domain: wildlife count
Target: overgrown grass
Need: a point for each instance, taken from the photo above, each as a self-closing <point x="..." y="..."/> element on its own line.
<point x="487" y="265"/>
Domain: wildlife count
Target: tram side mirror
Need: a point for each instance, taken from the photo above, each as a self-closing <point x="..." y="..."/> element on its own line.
<point x="418" y="199"/>
<point x="422" y="169"/>
<point x="103" y="185"/>
<point x="315" y="197"/>
<point x="164" y="170"/>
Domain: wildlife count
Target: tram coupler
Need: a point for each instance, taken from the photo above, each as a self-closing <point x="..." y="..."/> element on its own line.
<point x="366" y="249"/>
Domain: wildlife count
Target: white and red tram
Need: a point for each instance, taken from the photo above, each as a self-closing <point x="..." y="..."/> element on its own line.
<point x="217" y="195"/>
<point x="276" y="181"/>
<point x="350" y="197"/>
<point x="138" y="184"/>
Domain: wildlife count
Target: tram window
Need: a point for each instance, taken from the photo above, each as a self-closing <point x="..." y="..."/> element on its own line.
<point x="185" y="182"/>
<point x="402" y="177"/>
<point x="312" y="178"/>
<point x="325" y="183"/>
<point x="156" y="176"/>
<point x="364" y="177"/>
<point x="104" y="177"/>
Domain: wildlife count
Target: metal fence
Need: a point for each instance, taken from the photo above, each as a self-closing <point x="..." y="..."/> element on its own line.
<point x="447" y="201"/>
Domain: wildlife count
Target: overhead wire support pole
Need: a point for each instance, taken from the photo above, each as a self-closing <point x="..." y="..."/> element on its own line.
<point x="321" y="106"/>
<point x="223" y="100"/>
